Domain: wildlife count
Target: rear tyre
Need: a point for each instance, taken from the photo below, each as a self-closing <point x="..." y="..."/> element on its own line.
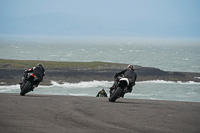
<point x="116" y="94"/>
<point x="26" y="88"/>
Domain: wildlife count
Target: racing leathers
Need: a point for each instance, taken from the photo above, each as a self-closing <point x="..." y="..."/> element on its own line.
<point x="128" y="73"/>
<point x="102" y="93"/>
<point x="38" y="71"/>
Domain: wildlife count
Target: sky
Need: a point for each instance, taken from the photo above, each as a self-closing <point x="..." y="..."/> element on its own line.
<point x="185" y="12"/>
<point x="171" y="10"/>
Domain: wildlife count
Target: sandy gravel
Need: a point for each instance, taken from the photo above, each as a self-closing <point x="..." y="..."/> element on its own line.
<point x="71" y="114"/>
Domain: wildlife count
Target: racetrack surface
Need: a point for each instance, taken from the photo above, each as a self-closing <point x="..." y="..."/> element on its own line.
<point x="75" y="114"/>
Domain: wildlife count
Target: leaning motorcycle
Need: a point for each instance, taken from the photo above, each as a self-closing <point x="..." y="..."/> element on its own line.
<point x="101" y="95"/>
<point x="31" y="82"/>
<point x="120" y="89"/>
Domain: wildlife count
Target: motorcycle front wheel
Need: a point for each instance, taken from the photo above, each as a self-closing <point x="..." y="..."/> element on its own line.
<point x="116" y="94"/>
<point x="26" y="88"/>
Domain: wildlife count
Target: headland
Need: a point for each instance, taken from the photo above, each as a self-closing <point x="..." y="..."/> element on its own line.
<point x="11" y="72"/>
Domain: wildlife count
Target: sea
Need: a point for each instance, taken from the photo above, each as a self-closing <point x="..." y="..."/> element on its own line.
<point x="165" y="54"/>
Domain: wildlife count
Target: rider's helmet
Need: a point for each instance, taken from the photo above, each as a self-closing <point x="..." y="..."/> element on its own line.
<point x="102" y="89"/>
<point x="131" y="67"/>
<point x="39" y="65"/>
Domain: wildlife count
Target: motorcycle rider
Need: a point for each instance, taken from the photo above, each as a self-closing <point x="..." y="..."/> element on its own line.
<point x="39" y="71"/>
<point x="103" y="92"/>
<point x="129" y="73"/>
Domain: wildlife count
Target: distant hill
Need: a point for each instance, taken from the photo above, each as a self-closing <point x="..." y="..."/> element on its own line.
<point x="65" y="24"/>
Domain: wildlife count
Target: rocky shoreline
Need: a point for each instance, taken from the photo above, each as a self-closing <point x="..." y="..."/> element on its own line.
<point x="13" y="76"/>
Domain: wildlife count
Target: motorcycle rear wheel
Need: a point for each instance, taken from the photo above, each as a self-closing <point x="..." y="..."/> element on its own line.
<point x="116" y="94"/>
<point x="26" y="88"/>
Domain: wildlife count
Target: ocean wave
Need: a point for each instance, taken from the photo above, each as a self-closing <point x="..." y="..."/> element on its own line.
<point x="82" y="84"/>
<point x="155" y="89"/>
<point x="73" y="94"/>
<point x="96" y="83"/>
<point x="9" y="88"/>
<point x="168" y="82"/>
<point x="108" y="84"/>
<point x="92" y="84"/>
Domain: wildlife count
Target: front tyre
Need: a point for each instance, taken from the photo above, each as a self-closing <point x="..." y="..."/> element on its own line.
<point x="26" y="88"/>
<point x="116" y="94"/>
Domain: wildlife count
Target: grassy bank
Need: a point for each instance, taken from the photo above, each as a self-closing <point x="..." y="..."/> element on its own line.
<point x="12" y="70"/>
<point x="23" y="64"/>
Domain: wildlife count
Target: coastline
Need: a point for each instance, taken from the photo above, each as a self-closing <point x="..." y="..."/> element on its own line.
<point x="74" y="72"/>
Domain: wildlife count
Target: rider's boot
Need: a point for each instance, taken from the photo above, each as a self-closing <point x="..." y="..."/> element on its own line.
<point x="22" y="81"/>
<point x="122" y="95"/>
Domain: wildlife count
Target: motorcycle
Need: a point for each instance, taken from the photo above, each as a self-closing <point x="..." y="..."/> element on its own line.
<point x="31" y="82"/>
<point x="120" y="89"/>
<point x="101" y="95"/>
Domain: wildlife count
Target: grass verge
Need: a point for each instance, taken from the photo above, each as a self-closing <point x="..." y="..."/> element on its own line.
<point x="23" y="64"/>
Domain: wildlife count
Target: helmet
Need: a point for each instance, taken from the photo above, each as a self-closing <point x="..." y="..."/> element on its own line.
<point x="131" y="67"/>
<point x="102" y="89"/>
<point x="39" y="65"/>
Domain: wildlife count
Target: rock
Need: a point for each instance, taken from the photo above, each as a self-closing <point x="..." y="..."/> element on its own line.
<point x="13" y="76"/>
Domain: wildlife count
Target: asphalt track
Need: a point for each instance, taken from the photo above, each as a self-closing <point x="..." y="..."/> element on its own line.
<point x="72" y="114"/>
